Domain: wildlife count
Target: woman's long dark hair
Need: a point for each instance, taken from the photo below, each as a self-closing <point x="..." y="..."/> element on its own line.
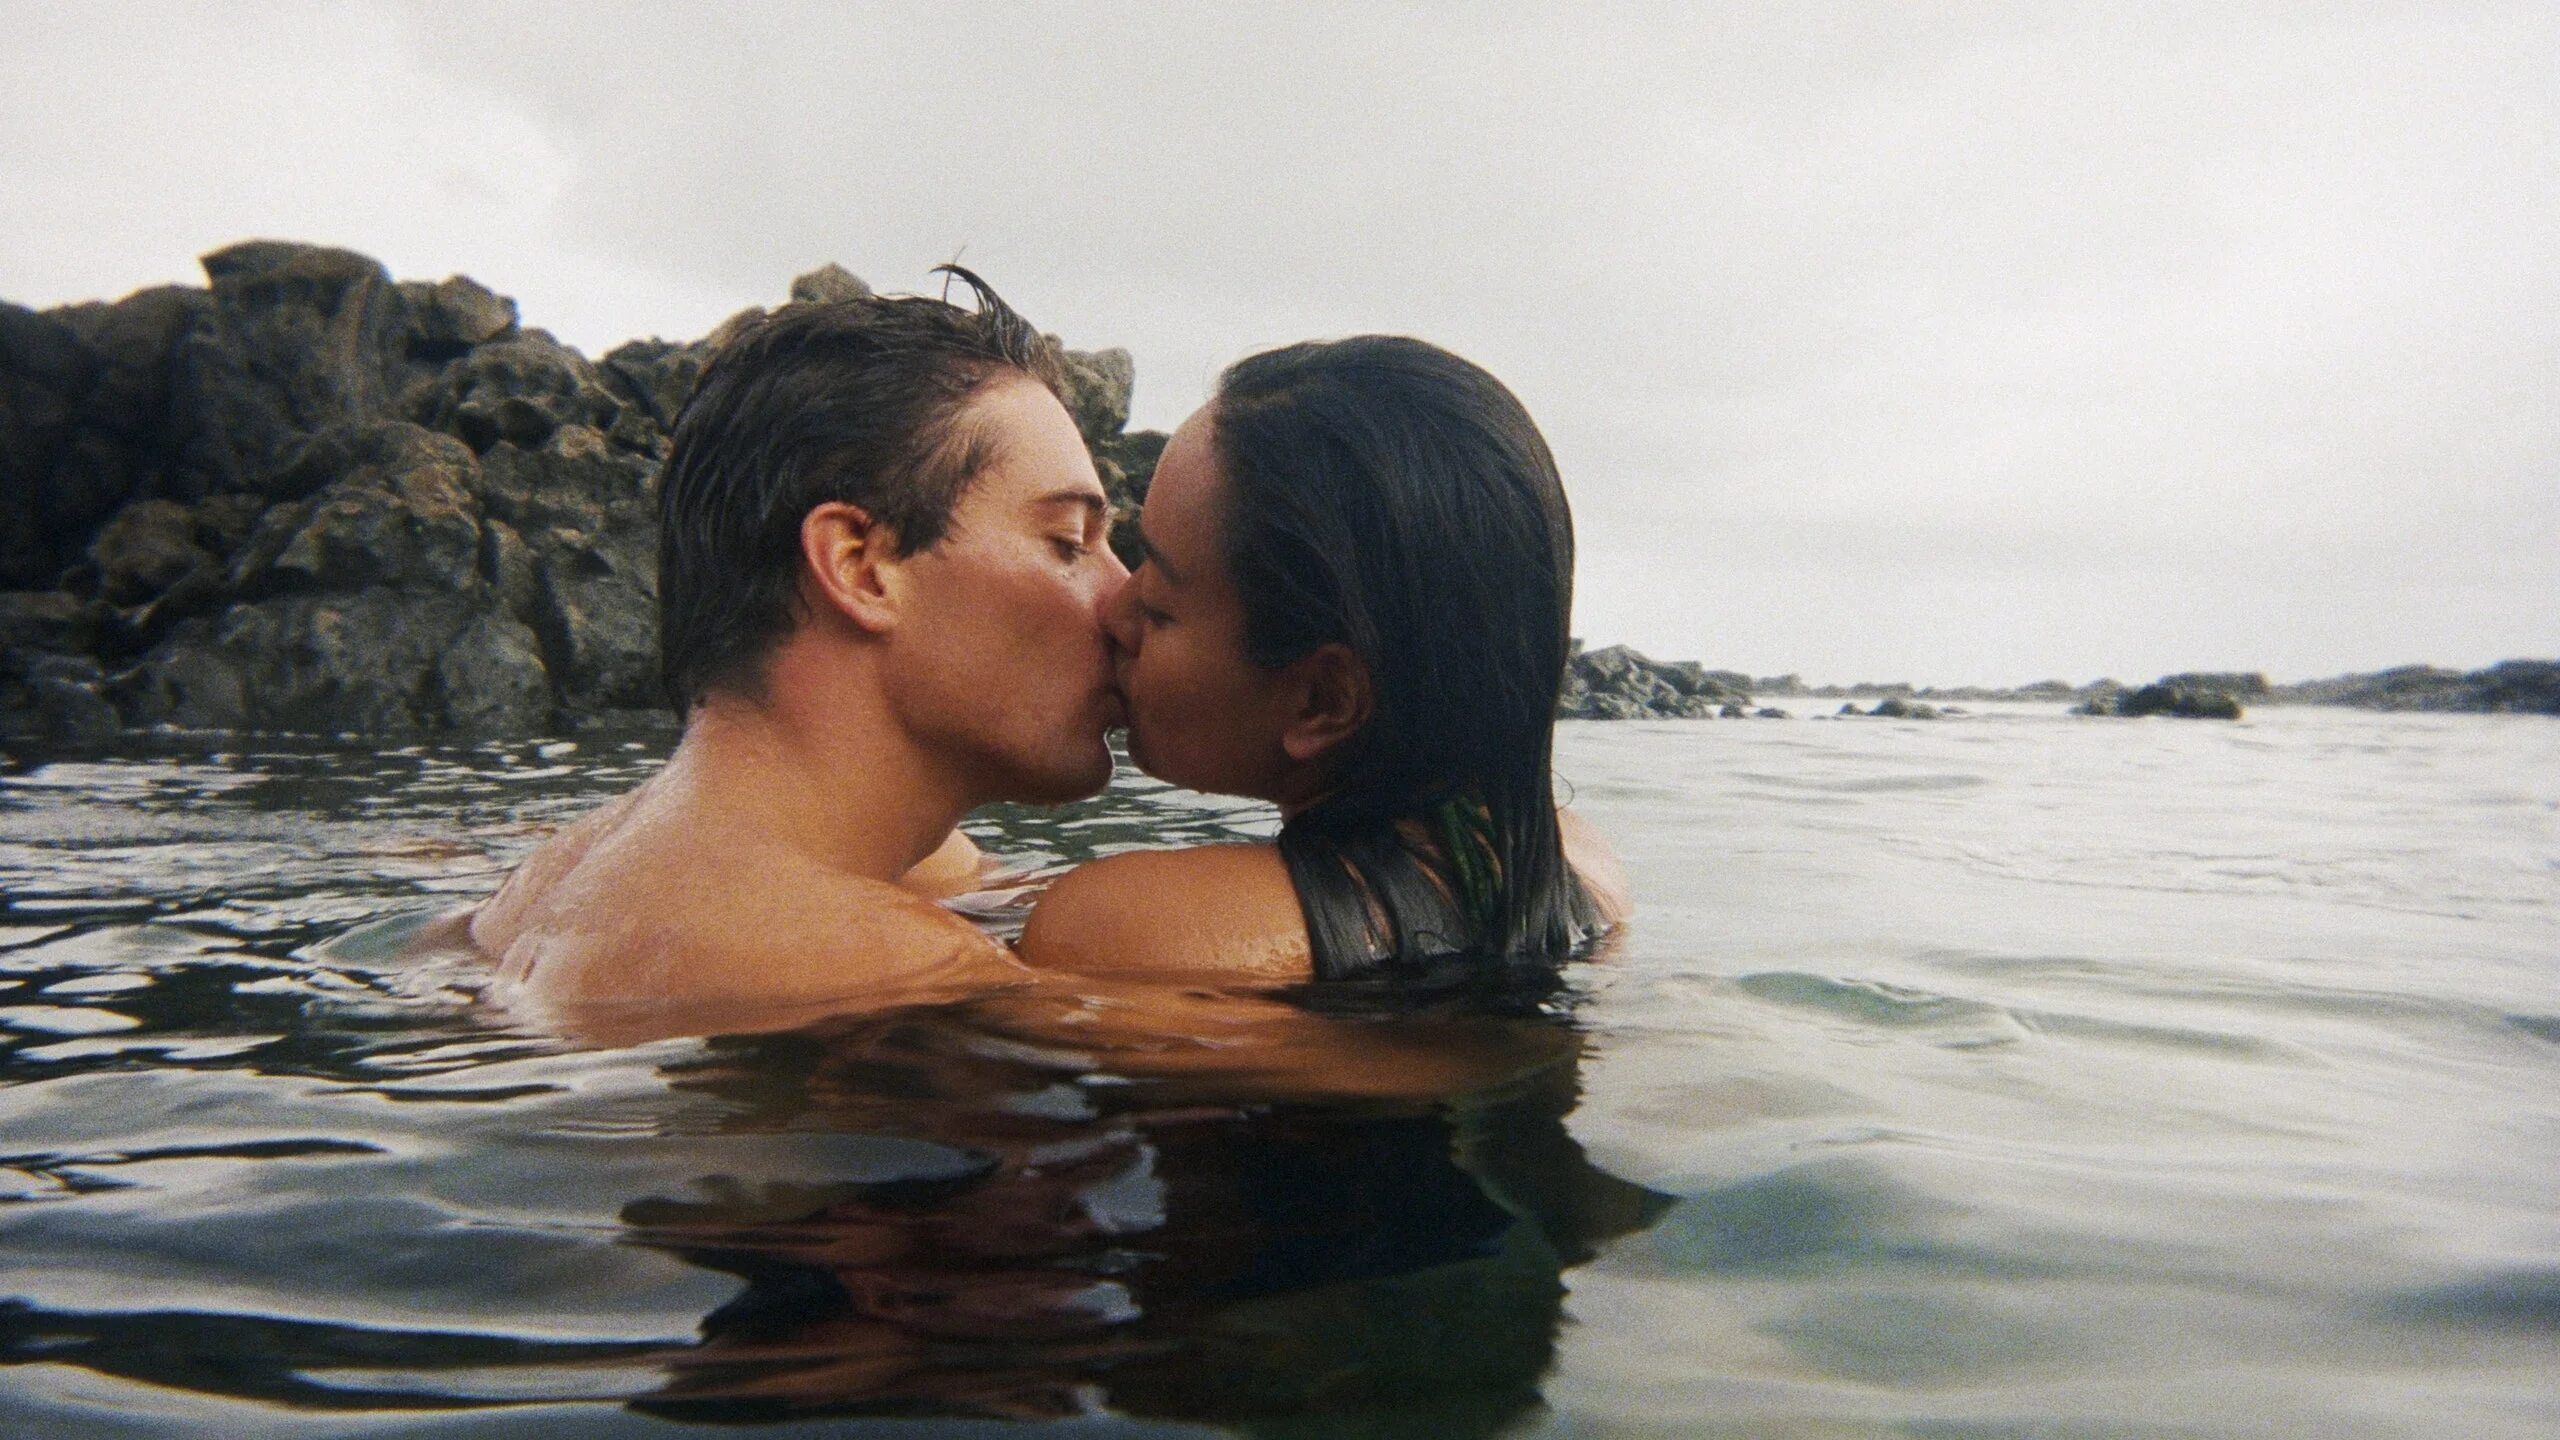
<point x="1385" y="494"/>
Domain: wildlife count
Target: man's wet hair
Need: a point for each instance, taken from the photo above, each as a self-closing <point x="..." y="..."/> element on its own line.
<point x="857" y="401"/>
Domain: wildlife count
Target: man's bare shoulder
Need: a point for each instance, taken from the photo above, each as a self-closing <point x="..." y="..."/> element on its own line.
<point x="1213" y="912"/>
<point x="618" y="913"/>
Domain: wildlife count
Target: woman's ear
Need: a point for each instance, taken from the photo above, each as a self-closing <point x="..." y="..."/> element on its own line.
<point x="1336" y="701"/>
<point x="849" y="565"/>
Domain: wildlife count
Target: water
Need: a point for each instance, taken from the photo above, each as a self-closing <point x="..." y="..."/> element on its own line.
<point x="2012" y="1075"/>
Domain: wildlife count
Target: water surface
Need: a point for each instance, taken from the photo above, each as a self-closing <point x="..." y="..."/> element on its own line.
<point x="2016" y="1074"/>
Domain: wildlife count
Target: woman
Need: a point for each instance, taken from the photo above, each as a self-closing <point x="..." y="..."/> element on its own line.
<point x="1357" y="580"/>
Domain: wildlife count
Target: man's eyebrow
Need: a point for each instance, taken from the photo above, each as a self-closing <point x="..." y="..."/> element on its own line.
<point x="1088" y="499"/>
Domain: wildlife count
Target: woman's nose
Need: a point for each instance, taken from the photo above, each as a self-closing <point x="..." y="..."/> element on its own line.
<point x="1120" y="611"/>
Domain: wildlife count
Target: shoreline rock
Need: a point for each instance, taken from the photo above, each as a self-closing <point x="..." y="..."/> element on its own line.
<point x="308" y="498"/>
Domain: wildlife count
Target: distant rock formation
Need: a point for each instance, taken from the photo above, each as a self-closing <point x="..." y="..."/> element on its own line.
<point x="2184" y="702"/>
<point x="2518" y="686"/>
<point x="308" y="497"/>
<point x="1619" y="684"/>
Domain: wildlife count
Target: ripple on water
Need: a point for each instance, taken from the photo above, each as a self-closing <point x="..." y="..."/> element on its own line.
<point x="1945" y="1020"/>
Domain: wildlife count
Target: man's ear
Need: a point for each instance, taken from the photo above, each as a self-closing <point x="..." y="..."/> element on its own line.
<point x="1336" y="701"/>
<point x="849" y="565"/>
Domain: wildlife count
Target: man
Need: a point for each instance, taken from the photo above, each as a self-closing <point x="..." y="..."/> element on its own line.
<point x="881" y="562"/>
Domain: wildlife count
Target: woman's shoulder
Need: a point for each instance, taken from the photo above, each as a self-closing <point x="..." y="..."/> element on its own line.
<point x="1224" y="913"/>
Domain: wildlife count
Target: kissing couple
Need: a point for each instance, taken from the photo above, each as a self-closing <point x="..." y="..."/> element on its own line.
<point x="887" y="596"/>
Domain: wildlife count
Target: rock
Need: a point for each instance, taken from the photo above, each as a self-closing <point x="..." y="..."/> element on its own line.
<point x="2525" y="686"/>
<point x="299" y="338"/>
<point x="70" y="707"/>
<point x="310" y="497"/>
<point x="517" y="390"/>
<point x="1771" y="712"/>
<point x="449" y="317"/>
<point x="362" y="664"/>
<point x="2184" y="702"/>
<point x="655" y="377"/>
<point x="585" y="515"/>
<point x="829" y="284"/>
<point x="1127" y="464"/>
<point x="400" y="513"/>
<point x="2239" y="685"/>
<point x="491" y="679"/>
<point x="48" y="622"/>
<point x="148" y="547"/>
<point x="1098" y="387"/>
<point x="1619" y="683"/>
<point x="46" y="373"/>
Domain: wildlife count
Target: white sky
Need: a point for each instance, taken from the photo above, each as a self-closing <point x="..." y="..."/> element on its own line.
<point x="1940" y="342"/>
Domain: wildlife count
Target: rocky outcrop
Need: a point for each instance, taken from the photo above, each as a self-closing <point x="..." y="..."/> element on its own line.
<point x="1895" y="707"/>
<point x="308" y="497"/>
<point x="2518" y="686"/>
<point x="2190" y="696"/>
<point x="1619" y="684"/>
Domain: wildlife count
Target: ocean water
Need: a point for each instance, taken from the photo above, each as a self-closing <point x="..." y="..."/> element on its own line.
<point x="2016" y="1074"/>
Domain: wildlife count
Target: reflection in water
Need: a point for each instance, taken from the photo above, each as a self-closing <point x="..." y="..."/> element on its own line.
<point x="1169" y="1247"/>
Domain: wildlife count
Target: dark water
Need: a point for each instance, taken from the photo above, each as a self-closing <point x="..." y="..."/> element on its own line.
<point x="262" y="1179"/>
<point x="2017" y="1075"/>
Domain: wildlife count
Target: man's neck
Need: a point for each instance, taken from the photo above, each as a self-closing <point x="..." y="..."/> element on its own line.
<point x="815" y="773"/>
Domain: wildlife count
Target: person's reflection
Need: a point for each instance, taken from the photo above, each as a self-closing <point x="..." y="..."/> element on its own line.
<point x="1299" y="1216"/>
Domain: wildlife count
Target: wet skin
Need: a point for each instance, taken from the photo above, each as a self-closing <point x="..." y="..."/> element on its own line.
<point x="755" y="881"/>
<point x="1204" y="715"/>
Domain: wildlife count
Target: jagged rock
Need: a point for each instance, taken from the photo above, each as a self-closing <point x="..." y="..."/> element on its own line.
<point x="1126" y="464"/>
<point x="148" y="547"/>
<point x="309" y="497"/>
<point x="1098" y="386"/>
<point x="2238" y="684"/>
<point x="400" y="515"/>
<point x="362" y="664"/>
<point x="596" y="615"/>
<point x="517" y="390"/>
<point x="1618" y="683"/>
<point x="655" y="376"/>
<point x="2183" y="701"/>
<point x="2522" y="686"/>
<point x="491" y="679"/>
<point x="452" y="315"/>
<point x="300" y="338"/>
<point x="585" y="516"/>
<point x="827" y="285"/>
<point x="66" y="700"/>
<point x="46" y="373"/>
<point x="48" y="621"/>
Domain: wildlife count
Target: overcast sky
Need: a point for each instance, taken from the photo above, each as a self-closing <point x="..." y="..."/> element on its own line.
<point x="1945" y="342"/>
